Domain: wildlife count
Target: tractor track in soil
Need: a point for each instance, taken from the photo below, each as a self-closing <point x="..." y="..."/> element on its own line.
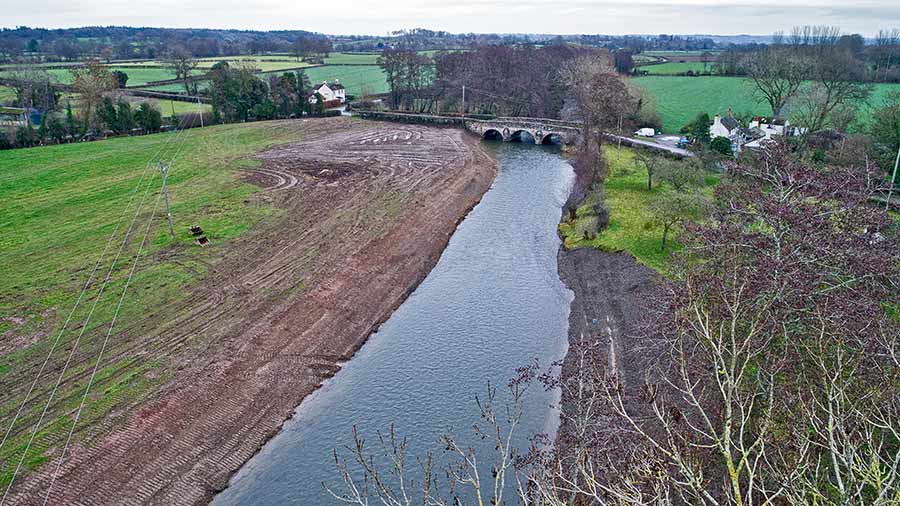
<point x="367" y="210"/>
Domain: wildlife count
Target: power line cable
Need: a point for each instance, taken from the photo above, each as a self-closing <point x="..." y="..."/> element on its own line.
<point x="109" y="331"/>
<point x="102" y="350"/>
<point x="83" y="329"/>
<point x="80" y="296"/>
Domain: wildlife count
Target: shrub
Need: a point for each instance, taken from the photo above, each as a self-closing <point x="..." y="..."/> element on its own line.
<point x="721" y="145"/>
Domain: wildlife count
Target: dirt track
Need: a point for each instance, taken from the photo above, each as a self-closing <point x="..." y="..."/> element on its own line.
<point x="367" y="210"/>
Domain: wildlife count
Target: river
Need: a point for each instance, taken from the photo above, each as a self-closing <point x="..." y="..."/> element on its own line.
<point x="493" y="303"/>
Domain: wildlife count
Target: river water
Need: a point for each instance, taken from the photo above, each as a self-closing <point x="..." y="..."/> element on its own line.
<point x="493" y="303"/>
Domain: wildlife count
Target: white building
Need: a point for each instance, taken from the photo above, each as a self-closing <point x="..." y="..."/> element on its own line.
<point x="329" y="92"/>
<point x="775" y="127"/>
<point x="727" y="127"/>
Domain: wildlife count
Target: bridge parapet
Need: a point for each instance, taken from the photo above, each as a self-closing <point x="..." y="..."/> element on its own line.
<point x="509" y="129"/>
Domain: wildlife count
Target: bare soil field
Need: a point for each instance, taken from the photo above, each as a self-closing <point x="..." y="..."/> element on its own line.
<point x="367" y="209"/>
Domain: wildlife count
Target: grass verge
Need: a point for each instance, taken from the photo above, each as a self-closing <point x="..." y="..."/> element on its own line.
<point x="631" y="228"/>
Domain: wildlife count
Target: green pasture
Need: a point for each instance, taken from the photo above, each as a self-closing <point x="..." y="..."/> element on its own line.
<point x="59" y="208"/>
<point x="7" y="95"/>
<point x="352" y="59"/>
<point x="675" y="68"/>
<point x="680" y="99"/>
<point x="358" y="80"/>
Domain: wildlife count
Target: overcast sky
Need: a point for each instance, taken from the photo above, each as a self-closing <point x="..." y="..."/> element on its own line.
<point x="758" y="17"/>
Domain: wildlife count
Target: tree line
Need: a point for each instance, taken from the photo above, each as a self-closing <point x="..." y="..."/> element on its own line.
<point x="96" y="109"/>
<point x="25" y="44"/>
<point x="876" y="60"/>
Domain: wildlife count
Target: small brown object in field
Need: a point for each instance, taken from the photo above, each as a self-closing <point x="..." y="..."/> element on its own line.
<point x="196" y="230"/>
<point x="202" y="241"/>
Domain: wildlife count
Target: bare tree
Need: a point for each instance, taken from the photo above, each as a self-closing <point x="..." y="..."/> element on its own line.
<point x="182" y="63"/>
<point x="651" y="161"/>
<point x="836" y="89"/>
<point x="777" y="73"/>
<point x="672" y="208"/>
<point x="465" y="475"/>
<point x="604" y="101"/>
<point x="90" y="82"/>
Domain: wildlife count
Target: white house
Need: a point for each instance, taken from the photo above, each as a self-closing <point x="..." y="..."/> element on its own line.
<point x="775" y="127"/>
<point x="727" y="127"/>
<point x="329" y="92"/>
<point x="13" y="116"/>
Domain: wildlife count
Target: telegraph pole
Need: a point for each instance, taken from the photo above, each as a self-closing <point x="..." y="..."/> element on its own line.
<point x="164" y="172"/>
<point x="464" y="102"/>
<point x="893" y="181"/>
<point x="201" y="111"/>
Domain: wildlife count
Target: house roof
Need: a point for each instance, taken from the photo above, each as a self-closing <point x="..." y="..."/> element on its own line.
<point x="752" y="133"/>
<point x="730" y="123"/>
<point x="334" y="86"/>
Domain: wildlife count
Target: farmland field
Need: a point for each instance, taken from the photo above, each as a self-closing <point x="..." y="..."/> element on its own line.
<point x="7" y="95"/>
<point x="352" y="59"/>
<point x="674" y="68"/>
<point x="60" y="204"/>
<point x="675" y="54"/>
<point x="170" y="107"/>
<point x="268" y="63"/>
<point x="137" y="76"/>
<point x="680" y="99"/>
<point x="358" y="80"/>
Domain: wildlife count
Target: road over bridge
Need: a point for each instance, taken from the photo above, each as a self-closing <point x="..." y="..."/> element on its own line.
<point x="508" y="129"/>
<point x="538" y="130"/>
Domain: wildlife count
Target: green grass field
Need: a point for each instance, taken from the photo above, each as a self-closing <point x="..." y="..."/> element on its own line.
<point x="263" y="63"/>
<point x="170" y="107"/>
<point x="7" y="95"/>
<point x="675" y="54"/>
<point x="631" y="226"/>
<point x="358" y="80"/>
<point x="674" y="68"/>
<point x="352" y="59"/>
<point x="59" y="205"/>
<point x="680" y="99"/>
<point x="137" y="76"/>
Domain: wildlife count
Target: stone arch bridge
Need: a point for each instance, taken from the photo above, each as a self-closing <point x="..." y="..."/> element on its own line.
<point x="542" y="131"/>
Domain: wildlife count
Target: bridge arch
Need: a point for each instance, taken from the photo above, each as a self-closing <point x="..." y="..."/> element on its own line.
<point x="525" y="136"/>
<point x="492" y="134"/>
<point x="552" y="138"/>
<point x="538" y="131"/>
